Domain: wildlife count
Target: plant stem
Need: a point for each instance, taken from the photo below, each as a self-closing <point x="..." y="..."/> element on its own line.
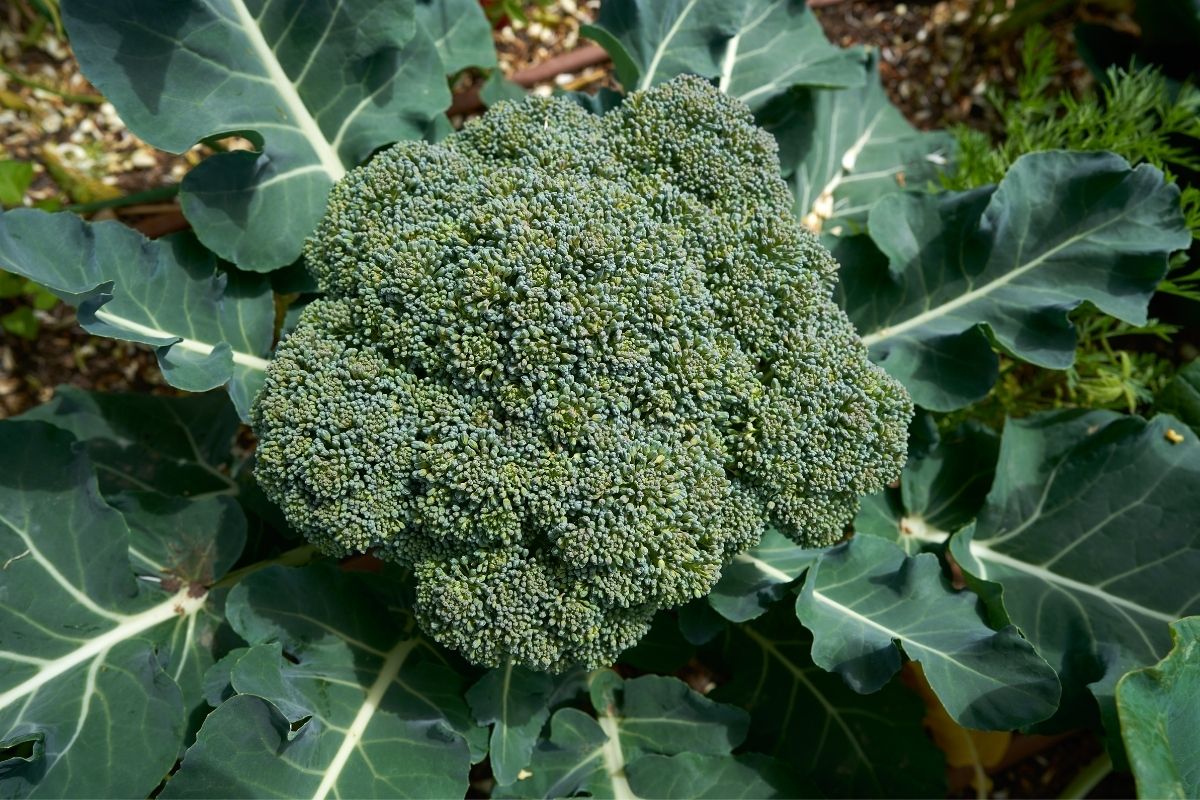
<point x="32" y="84"/>
<point x="292" y="558"/>
<point x="1088" y="778"/>
<point x="137" y="198"/>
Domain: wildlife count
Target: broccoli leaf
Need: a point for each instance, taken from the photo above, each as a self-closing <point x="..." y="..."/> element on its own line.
<point x="841" y="150"/>
<point x="498" y="88"/>
<point x="515" y="702"/>
<point x="943" y="489"/>
<point x="1088" y="543"/>
<point x="460" y="31"/>
<point x="693" y="775"/>
<point x="571" y="760"/>
<point x="246" y="748"/>
<point x="647" y="715"/>
<point x="754" y="49"/>
<point x="664" y="649"/>
<point x="756" y="578"/>
<point x="1181" y="397"/>
<point x="335" y="695"/>
<point x="180" y="540"/>
<point x="1061" y="228"/>
<point x="851" y="745"/>
<point x="317" y="88"/>
<point x="209" y="328"/>
<point x="866" y="596"/>
<point x="88" y="653"/>
<point x="1160" y="718"/>
<point x="172" y="445"/>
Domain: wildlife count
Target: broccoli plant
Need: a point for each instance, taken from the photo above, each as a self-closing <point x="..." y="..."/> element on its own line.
<point x="565" y="367"/>
<point x="615" y="446"/>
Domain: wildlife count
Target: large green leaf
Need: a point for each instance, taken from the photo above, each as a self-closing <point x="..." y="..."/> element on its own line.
<point x="574" y="758"/>
<point x="337" y="695"/>
<point x="209" y="328"/>
<point x="318" y="86"/>
<point x="755" y="49"/>
<point x="758" y="577"/>
<point x="177" y="541"/>
<point x="1089" y="543"/>
<point x="692" y="775"/>
<point x="647" y="715"/>
<point x="866" y="600"/>
<point x="942" y="489"/>
<point x="515" y="702"/>
<point x="1160" y="718"/>
<point x="1061" y="228"/>
<point x="87" y="651"/>
<point x="663" y="649"/>
<point x="172" y="445"/>
<point x="849" y="744"/>
<point x="461" y="32"/>
<point x="842" y="150"/>
<point x="1181" y="397"/>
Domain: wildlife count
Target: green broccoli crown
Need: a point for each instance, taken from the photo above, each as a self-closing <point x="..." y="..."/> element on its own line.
<point x="566" y="367"/>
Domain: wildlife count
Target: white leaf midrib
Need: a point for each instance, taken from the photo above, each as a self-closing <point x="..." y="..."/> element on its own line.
<point x="647" y="79"/>
<point x="985" y="553"/>
<point x="729" y="62"/>
<point x="1000" y="281"/>
<point x="614" y="757"/>
<point x="847" y="163"/>
<point x="192" y="345"/>
<point x="900" y="636"/>
<point x="353" y="735"/>
<point x="917" y="529"/>
<point x="288" y="93"/>
<point x="765" y="568"/>
<point x="731" y="48"/>
<point x="129" y="626"/>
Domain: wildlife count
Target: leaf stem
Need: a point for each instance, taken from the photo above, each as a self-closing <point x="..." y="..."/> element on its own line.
<point x="95" y="99"/>
<point x="612" y="753"/>
<point x="292" y="558"/>
<point x="149" y="196"/>
<point x="1088" y="778"/>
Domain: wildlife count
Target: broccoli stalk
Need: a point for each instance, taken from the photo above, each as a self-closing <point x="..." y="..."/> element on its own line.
<point x="566" y="367"/>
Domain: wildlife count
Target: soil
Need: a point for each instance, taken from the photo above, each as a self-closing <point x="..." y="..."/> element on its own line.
<point x="938" y="62"/>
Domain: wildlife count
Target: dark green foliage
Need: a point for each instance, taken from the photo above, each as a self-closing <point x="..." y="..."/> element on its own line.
<point x="1181" y="397"/>
<point x="566" y="367"/>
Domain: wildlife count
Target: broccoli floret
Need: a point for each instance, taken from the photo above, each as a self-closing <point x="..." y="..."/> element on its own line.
<point x="566" y="367"/>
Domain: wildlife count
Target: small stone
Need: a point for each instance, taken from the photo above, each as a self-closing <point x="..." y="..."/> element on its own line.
<point x="142" y="159"/>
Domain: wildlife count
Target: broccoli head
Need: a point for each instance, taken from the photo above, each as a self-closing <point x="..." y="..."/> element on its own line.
<point x="566" y="367"/>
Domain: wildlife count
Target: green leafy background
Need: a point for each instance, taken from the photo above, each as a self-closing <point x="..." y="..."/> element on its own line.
<point x="152" y="600"/>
